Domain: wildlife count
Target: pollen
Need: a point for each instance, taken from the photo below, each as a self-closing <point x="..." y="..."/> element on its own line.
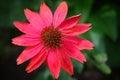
<point x="51" y="37"/>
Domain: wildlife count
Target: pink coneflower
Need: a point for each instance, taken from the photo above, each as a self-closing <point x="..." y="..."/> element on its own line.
<point x="51" y="39"/>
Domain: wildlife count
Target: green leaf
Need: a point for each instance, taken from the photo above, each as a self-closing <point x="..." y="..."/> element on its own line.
<point x="80" y="7"/>
<point x="78" y="67"/>
<point x="99" y="60"/>
<point x="98" y="39"/>
<point x="103" y="67"/>
<point x="65" y="76"/>
<point x="100" y="57"/>
<point x="105" y="21"/>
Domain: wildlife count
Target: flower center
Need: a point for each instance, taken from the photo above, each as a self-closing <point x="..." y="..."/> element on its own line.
<point x="51" y="37"/>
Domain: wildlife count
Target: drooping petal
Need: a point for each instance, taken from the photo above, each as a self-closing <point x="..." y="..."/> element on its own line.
<point x="28" y="53"/>
<point x="73" y="52"/>
<point x="37" y="61"/>
<point x="46" y="14"/>
<point x="35" y="19"/>
<point x="26" y="40"/>
<point x="60" y="14"/>
<point x="77" y="29"/>
<point x="66" y="63"/>
<point x="53" y="63"/>
<point x="85" y="44"/>
<point x="26" y="28"/>
<point x="70" y="22"/>
<point x="80" y="43"/>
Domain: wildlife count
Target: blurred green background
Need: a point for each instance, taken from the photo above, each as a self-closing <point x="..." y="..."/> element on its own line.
<point x="103" y="63"/>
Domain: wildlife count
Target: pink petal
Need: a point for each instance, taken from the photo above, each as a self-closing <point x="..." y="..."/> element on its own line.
<point x="77" y="29"/>
<point x="70" y="22"/>
<point x="35" y="19"/>
<point x="60" y="14"/>
<point x="53" y="63"/>
<point x="73" y="52"/>
<point x="26" y="40"/>
<point x="46" y="14"/>
<point x="66" y="63"/>
<point x="37" y="60"/>
<point x="28" y="53"/>
<point x="85" y="44"/>
<point x="26" y="28"/>
<point x="80" y="43"/>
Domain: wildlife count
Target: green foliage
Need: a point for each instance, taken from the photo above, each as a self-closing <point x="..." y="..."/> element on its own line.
<point x="105" y="21"/>
<point x="100" y="63"/>
<point x="98" y="40"/>
<point x="80" y="7"/>
<point x="65" y="76"/>
<point x="78" y="67"/>
<point x="44" y="75"/>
